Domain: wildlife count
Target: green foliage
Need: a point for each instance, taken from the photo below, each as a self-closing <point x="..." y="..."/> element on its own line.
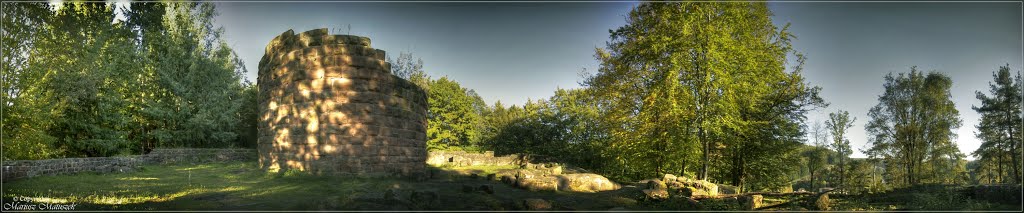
<point x="838" y="124"/>
<point x="815" y="159"/>
<point x="80" y="83"/>
<point x="248" y="116"/>
<point x="455" y="115"/>
<point x="83" y="68"/>
<point x="911" y="128"/>
<point x="565" y="128"/>
<point x="452" y="118"/>
<point x="25" y="116"/>
<point x="702" y="88"/>
<point x="198" y="78"/>
<point x="1000" y="128"/>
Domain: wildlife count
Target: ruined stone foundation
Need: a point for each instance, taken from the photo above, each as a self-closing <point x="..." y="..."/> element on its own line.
<point x="329" y="105"/>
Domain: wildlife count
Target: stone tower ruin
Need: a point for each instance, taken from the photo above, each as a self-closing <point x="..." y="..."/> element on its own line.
<point x="329" y="105"/>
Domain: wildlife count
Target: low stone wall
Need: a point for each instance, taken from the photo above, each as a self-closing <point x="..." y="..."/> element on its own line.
<point x="460" y="158"/>
<point x="19" y="169"/>
<point x="14" y="170"/>
<point x="171" y="156"/>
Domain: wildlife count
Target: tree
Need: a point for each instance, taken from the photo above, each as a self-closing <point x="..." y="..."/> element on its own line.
<point x="404" y="67"/>
<point x="682" y="80"/>
<point x="816" y="158"/>
<point x="1001" y="123"/>
<point x="451" y="118"/>
<point x="911" y="128"/>
<point x="82" y="83"/>
<point x="564" y="128"/>
<point x="26" y="114"/>
<point x="838" y="123"/>
<point x="819" y="134"/>
<point x="193" y="78"/>
<point x="86" y="58"/>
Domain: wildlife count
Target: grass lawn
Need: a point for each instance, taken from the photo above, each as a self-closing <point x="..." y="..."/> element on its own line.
<point x="237" y="185"/>
<point x="923" y="198"/>
<point x="243" y="186"/>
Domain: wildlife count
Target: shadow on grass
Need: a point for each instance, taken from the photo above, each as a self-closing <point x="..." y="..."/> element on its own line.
<point x="217" y="186"/>
<point x="244" y="186"/>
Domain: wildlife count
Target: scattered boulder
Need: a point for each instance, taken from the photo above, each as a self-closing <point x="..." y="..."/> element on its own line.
<point x="691" y="191"/>
<point x="510" y="180"/>
<point x="683" y="179"/>
<point x="710" y="188"/>
<point x="669" y="178"/>
<point x="523" y="175"/>
<point x="585" y="183"/>
<point x="727" y="189"/>
<point x="656" y="184"/>
<point x="675" y="185"/>
<point x="656" y="194"/>
<point x="822" y="203"/>
<point x="543" y="183"/>
<point x="556" y="170"/>
<point x="529" y="165"/>
<point x="751" y="202"/>
<point x="536" y="204"/>
<point x="505" y="176"/>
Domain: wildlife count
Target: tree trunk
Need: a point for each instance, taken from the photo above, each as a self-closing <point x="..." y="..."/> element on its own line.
<point x="703" y="175"/>
<point x="999" y="162"/>
<point x="1016" y="164"/>
<point x="682" y="167"/>
<point x="1014" y="156"/>
<point x="910" y="171"/>
<point x="842" y="171"/>
<point x="737" y="172"/>
<point x="812" y="181"/>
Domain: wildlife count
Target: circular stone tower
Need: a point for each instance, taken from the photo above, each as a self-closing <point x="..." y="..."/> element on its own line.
<point x="329" y="105"/>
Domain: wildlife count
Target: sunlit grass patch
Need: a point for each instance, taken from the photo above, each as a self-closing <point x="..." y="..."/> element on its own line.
<point x="233" y="185"/>
<point x="138" y="178"/>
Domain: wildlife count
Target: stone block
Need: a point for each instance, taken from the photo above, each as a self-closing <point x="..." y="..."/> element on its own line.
<point x="332" y="98"/>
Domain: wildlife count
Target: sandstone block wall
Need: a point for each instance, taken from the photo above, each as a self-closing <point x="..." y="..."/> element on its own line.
<point x="330" y="105"/>
<point x="19" y="169"/>
<point x="461" y="158"/>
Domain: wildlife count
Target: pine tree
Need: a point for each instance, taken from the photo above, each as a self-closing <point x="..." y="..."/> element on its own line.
<point x="1001" y="123"/>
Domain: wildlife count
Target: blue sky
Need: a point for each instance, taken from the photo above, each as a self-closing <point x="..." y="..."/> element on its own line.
<point x="518" y="51"/>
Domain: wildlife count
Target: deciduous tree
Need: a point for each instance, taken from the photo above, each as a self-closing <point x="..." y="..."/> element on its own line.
<point x="911" y="128"/>
<point x="838" y="123"/>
